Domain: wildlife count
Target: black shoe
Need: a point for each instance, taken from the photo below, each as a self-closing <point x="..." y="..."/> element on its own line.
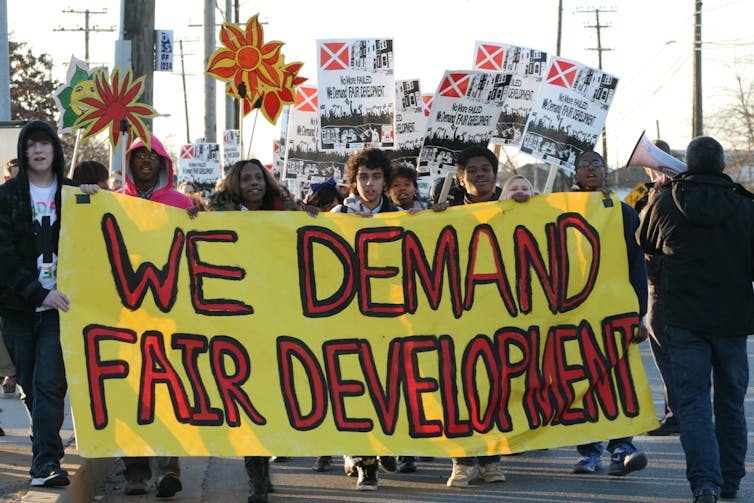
<point x="705" y="496"/>
<point x="367" y="478"/>
<point x="323" y="464"/>
<point x="728" y="494"/>
<point x="388" y="463"/>
<point x="280" y="459"/>
<point x="626" y="460"/>
<point x="135" y="487"/>
<point x="407" y="464"/>
<point x="54" y="477"/>
<point x="167" y="485"/>
<point x="666" y="429"/>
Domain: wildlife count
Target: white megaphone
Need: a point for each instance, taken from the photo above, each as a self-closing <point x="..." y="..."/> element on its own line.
<point x="647" y="154"/>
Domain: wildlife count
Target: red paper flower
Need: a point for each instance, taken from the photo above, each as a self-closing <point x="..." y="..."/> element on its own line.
<point x="257" y="72"/>
<point x="116" y="101"/>
<point x="246" y="59"/>
<point x="274" y="99"/>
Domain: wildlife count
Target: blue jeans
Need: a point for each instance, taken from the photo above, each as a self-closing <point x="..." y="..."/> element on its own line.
<point x="715" y="454"/>
<point x="660" y="352"/>
<point x="34" y="344"/>
<point x="597" y="448"/>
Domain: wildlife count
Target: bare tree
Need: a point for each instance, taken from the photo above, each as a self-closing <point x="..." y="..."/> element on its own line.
<point x="733" y="123"/>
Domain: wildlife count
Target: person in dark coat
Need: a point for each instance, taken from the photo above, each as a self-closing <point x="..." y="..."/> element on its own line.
<point x="30" y="219"/>
<point x="701" y="231"/>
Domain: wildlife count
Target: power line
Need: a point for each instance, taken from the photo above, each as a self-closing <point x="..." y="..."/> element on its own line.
<point x="600" y="49"/>
<point x="86" y="29"/>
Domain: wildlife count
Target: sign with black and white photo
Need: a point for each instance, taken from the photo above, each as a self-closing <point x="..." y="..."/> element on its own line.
<point x="569" y="112"/>
<point x="279" y="145"/>
<point x="356" y="93"/>
<point x="528" y="67"/>
<point x="231" y="147"/>
<point x="410" y="122"/>
<point x="464" y="112"/>
<point x="199" y="163"/>
<point x="304" y="161"/>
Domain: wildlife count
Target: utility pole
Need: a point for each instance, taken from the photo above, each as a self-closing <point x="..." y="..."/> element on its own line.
<point x="210" y="89"/>
<point x="598" y="26"/>
<point x="231" y="108"/>
<point x="697" y="115"/>
<point x="138" y="27"/>
<point x="185" y="95"/>
<point x="87" y="27"/>
<point x="4" y="63"/>
<point x="560" y="27"/>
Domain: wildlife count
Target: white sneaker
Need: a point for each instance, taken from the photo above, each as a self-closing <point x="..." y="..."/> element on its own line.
<point x="349" y="466"/>
<point x="492" y="472"/>
<point x="462" y="475"/>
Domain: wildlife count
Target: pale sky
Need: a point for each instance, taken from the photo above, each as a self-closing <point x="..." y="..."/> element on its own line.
<point x="651" y="42"/>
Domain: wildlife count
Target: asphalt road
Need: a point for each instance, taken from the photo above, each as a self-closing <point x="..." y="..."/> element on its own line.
<point x="540" y="476"/>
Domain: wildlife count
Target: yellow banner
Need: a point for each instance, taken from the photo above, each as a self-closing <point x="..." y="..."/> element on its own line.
<point x="490" y="328"/>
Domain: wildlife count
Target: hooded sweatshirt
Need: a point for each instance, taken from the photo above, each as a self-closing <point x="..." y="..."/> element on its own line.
<point x="164" y="193"/>
<point x="21" y="239"/>
<point x="702" y="232"/>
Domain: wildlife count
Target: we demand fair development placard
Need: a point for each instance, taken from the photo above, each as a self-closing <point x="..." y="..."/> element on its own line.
<point x="489" y="328"/>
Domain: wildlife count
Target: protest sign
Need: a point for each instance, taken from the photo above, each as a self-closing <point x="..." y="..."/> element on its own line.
<point x="464" y="112"/>
<point x="356" y="93"/>
<point x="410" y="123"/>
<point x="569" y="113"/>
<point x="489" y="328"/>
<point x="528" y="67"/>
<point x="231" y="148"/>
<point x="305" y="161"/>
<point x="200" y="163"/>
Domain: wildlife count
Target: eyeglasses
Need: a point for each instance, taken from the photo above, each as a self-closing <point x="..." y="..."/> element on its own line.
<point x="152" y="156"/>
<point x="593" y="164"/>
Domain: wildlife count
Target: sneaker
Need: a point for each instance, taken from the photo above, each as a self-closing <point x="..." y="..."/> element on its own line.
<point x="349" y="466"/>
<point x="388" y="463"/>
<point x="323" y="464"/>
<point x="9" y="387"/>
<point x="462" y="475"/>
<point x="280" y="459"/>
<point x="666" y="429"/>
<point x="728" y="494"/>
<point x="135" y="487"/>
<point x="407" y="464"/>
<point x="167" y="485"/>
<point x="491" y="472"/>
<point x="626" y="460"/>
<point x="55" y="477"/>
<point x="705" y="496"/>
<point x="588" y="464"/>
<point x="367" y="478"/>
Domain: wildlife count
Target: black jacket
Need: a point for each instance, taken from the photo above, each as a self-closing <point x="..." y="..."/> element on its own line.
<point x="702" y="230"/>
<point x="20" y="290"/>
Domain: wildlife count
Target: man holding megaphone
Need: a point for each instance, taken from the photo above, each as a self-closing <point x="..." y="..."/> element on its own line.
<point x="702" y="231"/>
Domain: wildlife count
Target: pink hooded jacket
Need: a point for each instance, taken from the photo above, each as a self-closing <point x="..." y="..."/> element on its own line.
<point x="164" y="193"/>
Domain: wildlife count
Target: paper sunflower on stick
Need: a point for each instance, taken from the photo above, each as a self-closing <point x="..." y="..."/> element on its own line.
<point x="256" y="71"/>
<point x="116" y="106"/>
